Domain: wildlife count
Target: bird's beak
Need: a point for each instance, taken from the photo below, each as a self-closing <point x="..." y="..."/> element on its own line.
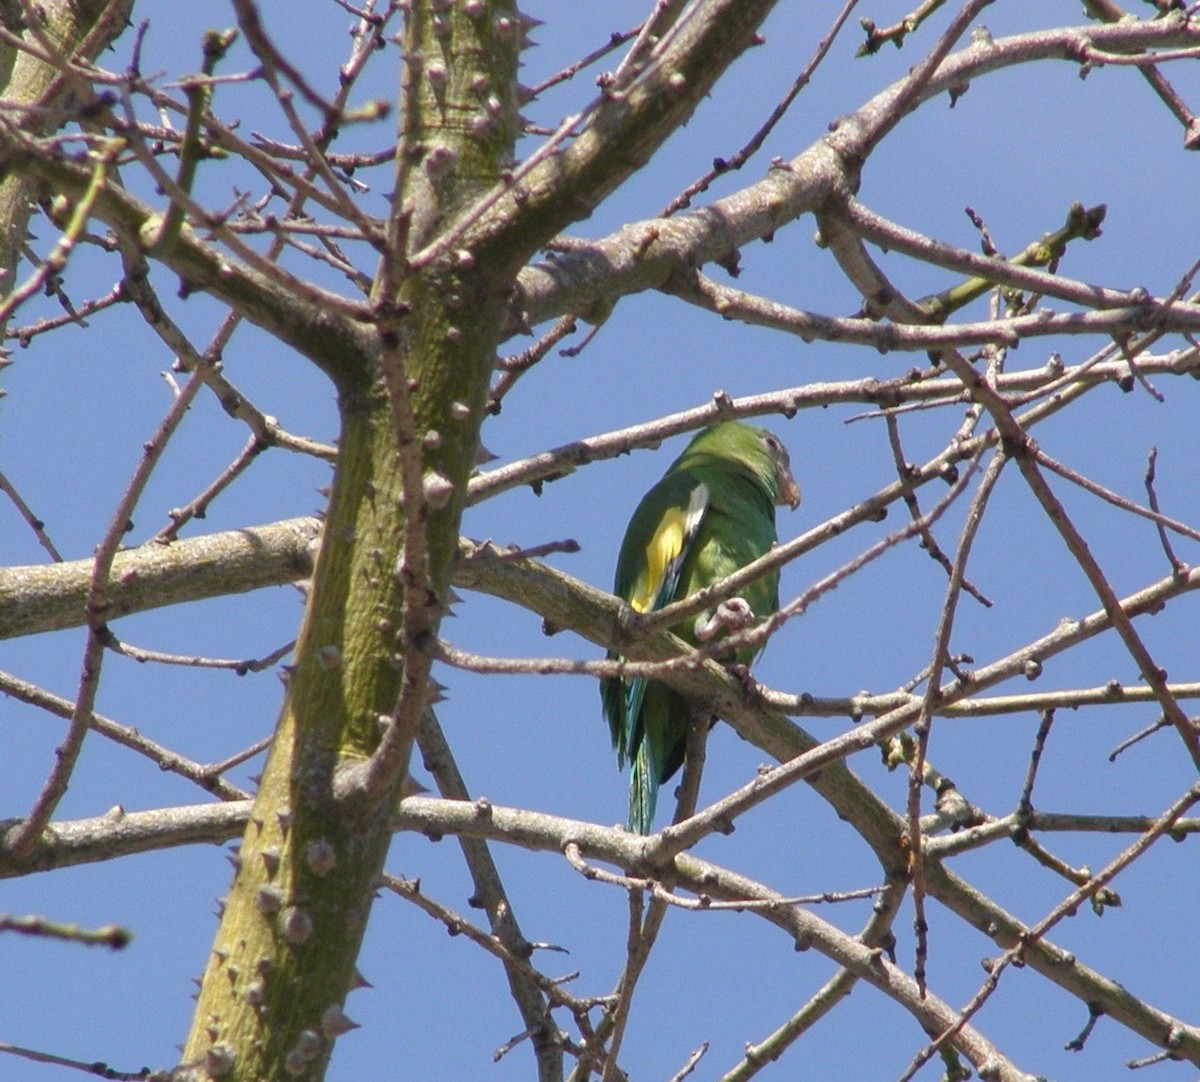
<point x="789" y="491"/>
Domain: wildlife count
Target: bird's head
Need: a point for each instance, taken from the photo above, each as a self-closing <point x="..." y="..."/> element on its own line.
<point x="786" y="489"/>
<point x="748" y="449"/>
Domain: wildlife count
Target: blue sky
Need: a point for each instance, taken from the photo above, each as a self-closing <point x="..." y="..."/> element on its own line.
<point x="1019" y="148"/>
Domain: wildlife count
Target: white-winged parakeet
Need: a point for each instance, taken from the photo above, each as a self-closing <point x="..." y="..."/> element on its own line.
<point x="712" y="513"/>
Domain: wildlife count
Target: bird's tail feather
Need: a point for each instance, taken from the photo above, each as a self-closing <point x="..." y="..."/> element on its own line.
<point x="643" y="791"/>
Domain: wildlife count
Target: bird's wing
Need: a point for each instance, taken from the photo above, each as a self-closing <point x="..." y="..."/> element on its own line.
<point x="665" y="556"/>
<point x="668" y="549"/>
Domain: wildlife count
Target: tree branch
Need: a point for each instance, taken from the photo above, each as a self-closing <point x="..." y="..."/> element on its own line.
<point x="50" y="597"/>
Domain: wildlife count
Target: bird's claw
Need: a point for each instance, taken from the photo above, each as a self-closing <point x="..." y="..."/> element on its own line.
<point x="733" y="614"/>
<point x="745" y="678"/>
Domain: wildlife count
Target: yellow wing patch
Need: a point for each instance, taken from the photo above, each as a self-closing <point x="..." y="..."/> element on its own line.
<point x="668" y="546"/>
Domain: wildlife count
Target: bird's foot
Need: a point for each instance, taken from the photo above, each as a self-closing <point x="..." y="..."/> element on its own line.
<point x="746" y="678"/>
<point x="733" y="614"/>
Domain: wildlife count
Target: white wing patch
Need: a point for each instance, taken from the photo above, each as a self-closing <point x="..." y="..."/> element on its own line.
<point x="668" y="549"/>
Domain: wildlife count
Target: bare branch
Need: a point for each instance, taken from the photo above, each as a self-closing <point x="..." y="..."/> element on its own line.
<point x="44" y="598"/>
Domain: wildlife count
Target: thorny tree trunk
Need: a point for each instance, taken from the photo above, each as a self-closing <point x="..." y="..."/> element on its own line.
<point x="284" y="959"/>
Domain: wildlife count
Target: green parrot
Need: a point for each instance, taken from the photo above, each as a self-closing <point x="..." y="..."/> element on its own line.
<point x="712" y="513"/>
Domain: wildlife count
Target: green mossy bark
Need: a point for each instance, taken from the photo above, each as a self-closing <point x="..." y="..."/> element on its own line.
<point x="284" y="959"/>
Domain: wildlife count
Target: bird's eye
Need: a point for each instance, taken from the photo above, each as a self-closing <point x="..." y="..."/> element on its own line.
<point x="777" y="449"/>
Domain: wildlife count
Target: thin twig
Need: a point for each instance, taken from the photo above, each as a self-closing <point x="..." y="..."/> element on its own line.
<point x="111" y="935"/>
<point x="1065" y="908"/>
<point x="241" y="666"/>
<point x="207" y="777"/>
<point x="928" y="541"/>
<point x="512" y="368"/>
<point x="1152" y="495"/>
<point x="615" y="40"/>
<point x="198" y="507"/>
<point x="490" y="895"/>
<point x="67" y="754"/>
<point x="79" y="317"/>
<point x="1016" y="439"/>
<point x="92" y="1068"/>
<point x="410" y="890"/>
<point x="722" y="166"/>
<point x="35" y="523"/>
<point x="1153" y="514"/>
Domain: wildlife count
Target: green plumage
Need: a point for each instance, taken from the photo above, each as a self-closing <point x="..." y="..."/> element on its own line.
<point x="712" y="513"/>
